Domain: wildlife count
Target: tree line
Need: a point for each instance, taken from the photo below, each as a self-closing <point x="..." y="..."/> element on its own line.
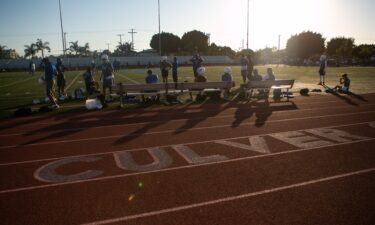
<point x="304" y="47"/>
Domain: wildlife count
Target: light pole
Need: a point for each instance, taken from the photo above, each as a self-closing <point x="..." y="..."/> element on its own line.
<point x="159" y="27"/>
<point x="247" y="40"/>
<point x="62" y="30"/>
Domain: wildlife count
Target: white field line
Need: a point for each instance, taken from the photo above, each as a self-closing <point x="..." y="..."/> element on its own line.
<point x="165" y="146"/>
<point x="232" y="198"/>
<point x="180" y="167"/>
<point x="72" y="82"/>
<point x="175" y="120"/>
<point x="180" y="130"/>
<point x="131" y="80"/>
<point x="20" y="81"/>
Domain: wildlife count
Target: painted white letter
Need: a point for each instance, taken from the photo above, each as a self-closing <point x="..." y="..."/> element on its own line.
<point x="300" y="139"/>
<point x="336" y="135"/>
<point x="257" y="144"/>
<point x="193" y="158"/>
<point x="47" y="173"/>
<point x="124" y="160"/>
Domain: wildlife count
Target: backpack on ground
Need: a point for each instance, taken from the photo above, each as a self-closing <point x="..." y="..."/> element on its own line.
<point x="24" y="111"/>
<point x="78" y="94"/>
<point x="277" y="94"/>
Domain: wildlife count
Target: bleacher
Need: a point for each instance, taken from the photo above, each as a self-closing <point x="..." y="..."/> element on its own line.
<point x="82" y="62"/>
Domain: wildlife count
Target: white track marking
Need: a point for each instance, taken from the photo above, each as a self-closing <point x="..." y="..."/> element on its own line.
<point x="163" y="146"/>
<point x="131" y="116"/>
<point x="232" y="198"/>
<point x="179" y="168"/>
<point x="177" y="130"/>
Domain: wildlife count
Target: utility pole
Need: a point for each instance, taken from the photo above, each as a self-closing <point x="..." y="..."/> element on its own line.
<point x="159" y="27"/>
<point x="108" y="44"/>
<point x="62" y="30"/>
<point x="132" y="32"/>
<point x="278" y="48"/>
<point x="64" y="42"/>
<point x="247" y="42"/>
<point x="120" y="38"/>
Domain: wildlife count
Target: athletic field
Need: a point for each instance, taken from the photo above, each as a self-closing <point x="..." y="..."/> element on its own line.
<point x="18" y="89"/>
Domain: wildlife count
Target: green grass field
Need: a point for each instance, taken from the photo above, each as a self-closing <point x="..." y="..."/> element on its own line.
<point x="20" y="88"/>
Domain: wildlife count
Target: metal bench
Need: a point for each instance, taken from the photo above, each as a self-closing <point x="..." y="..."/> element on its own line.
<point x="269" y="84"/>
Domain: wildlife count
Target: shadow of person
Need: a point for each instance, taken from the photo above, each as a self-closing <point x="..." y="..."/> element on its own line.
<point x="207" y="110"/>
<point x="338" y="95"/>
<point x="262" y="113"/>
<point x="243" y="112"/>
<point x="136" y="134"/>
<point x="359" y="97"/>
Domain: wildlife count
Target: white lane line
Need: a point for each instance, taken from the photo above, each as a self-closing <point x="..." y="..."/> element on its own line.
<point x="175" y="120"/>
<point x="181" y="167"/>
<point x="205" y="110"/>
<point x="131" y="80"/>
<point x="164" y="146"/>
<point x="232" y="198"/>
<point x="21" y="81"/>
<point x="180" y="130"/>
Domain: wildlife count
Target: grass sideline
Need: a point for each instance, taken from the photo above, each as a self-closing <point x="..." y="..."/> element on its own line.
<point x="18" y="89"/>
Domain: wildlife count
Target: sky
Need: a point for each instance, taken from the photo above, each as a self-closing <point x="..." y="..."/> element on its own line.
<point x="99" y="22"/>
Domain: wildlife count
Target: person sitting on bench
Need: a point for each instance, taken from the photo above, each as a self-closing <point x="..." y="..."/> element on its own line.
<point x="151" y="79"/>
<point x="269" y="76"/>
<point x="198" y="79"/>
<point x="344" y="84"/>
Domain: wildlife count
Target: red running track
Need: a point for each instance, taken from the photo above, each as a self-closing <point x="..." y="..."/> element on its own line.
<point x="309" y="161"/>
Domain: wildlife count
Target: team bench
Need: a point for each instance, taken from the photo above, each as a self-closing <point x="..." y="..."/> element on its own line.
<point x="161" y="88"/>
<point x="269" y="84"/>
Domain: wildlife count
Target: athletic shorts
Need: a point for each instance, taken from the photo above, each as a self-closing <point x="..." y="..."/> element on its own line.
<point x="60" y="80"/>
<point x="49" y="87"/>
<point x="107" y="83"/>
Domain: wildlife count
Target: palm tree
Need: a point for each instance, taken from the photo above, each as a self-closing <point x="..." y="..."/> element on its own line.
<point x="74" y="47"/>
<point x="84" y="50"/>
<point x="41" y="46"/>
<point x="30" y="50"/>
<point x="2" y="49"/>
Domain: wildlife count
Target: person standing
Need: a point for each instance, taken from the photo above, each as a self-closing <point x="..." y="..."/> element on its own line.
<point x="49" y="75"/>
<point x="250" y="66"/>
<point x="322" y="69"/>
<point x="32" y="68"/>
<point x="93" y="66"/>
<point x="91" y="85"/>
<point x="197" y="63"/>
<point x="165" y="66"/>
<point x="244" y="73"/>
<point x="227" y="77"/>
<point x="107" y="75"/>
<point x="61" y="82"/>
<point x="175" y="71"/>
